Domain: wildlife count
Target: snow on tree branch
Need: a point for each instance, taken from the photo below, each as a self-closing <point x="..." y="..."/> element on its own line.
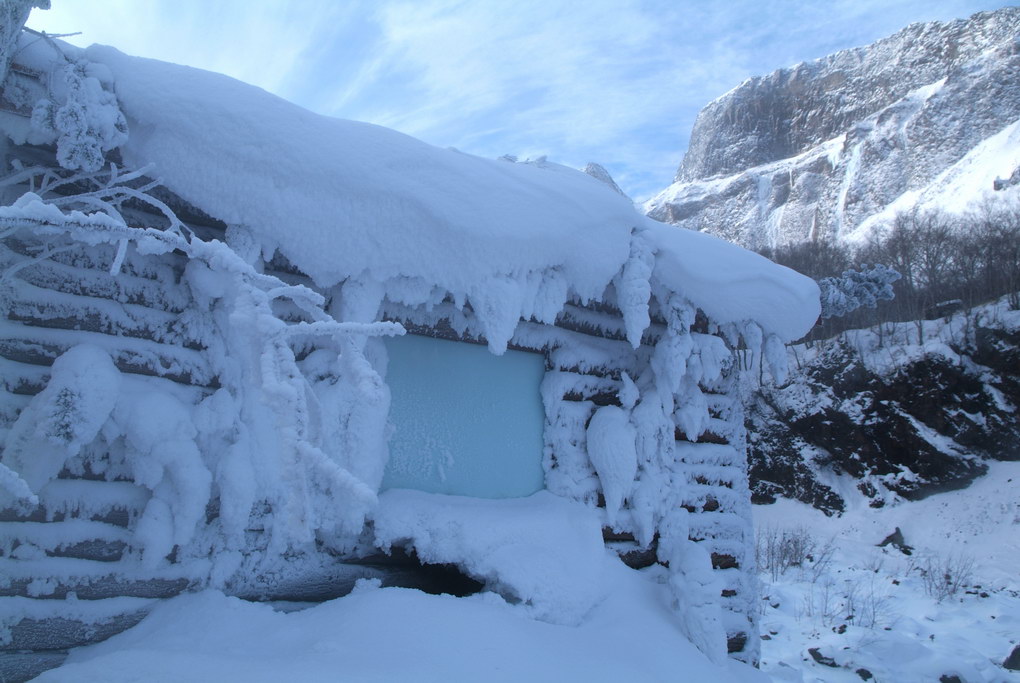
<point x="856" y="289"/>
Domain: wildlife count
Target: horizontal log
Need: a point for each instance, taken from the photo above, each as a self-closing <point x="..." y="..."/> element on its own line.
<point x="602" y="398"/>
<point x="163" y="269"/>
<point x="588" y="328"/>
<point x="94" y="321"/>
<point x="704" y="437"/>
<point x="151" y="364"/>
<point x="22" y="386"/>
<point x="17" y="667"/>
<point x="118" y="516"/>
<point x="98" y="588"/>
<point x="705" y="481"/>
<point x="59" y="633"/>
<point x="168" y="297"/>
<point x="95" y="550"/>
<point x="611" y="535"/>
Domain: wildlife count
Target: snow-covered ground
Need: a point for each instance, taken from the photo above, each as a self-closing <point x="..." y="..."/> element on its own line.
<point x="865" y="608"/>
<point x="868" y="608"/>
<point x="397" y="634"/>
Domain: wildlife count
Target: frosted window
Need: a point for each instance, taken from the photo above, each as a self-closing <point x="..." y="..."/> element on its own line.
<point x="467" y="422"/>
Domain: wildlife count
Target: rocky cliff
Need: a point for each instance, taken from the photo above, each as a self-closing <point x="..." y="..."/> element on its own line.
<point x="826" y="148"/>
<point x="898" y="411"/>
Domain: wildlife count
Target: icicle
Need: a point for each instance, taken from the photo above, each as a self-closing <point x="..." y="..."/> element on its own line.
<point x="753" y="336"/>
<point x="628" y="393"/>
<point x="654" y="488"/>
<point x="715" y="357"/>
<point x="611" y="447"/>
<point x="634" y="288"/>
<point x="774" y="354"/>
<point x="497" y="305"/>
<point x="359" y="301"/>
<point x="671" y="358"/>
<point x="680" y="313"/>
<point x="550" y="296"/>
<point x="692" y="410"/>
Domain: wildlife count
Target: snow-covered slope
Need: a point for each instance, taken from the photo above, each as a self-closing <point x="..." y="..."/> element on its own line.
<point x="947" y="611"/>
<point x="818" y="149"/>
<point x="882" y="414"/>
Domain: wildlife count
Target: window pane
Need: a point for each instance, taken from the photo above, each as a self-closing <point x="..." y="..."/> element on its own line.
<point x="467" y="422"/>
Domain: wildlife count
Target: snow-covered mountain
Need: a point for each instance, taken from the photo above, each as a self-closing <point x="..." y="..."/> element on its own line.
<point x="929" y="116"/>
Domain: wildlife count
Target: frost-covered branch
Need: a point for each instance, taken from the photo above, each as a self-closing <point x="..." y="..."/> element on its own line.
<point x="332" y="328"/>
<point x="857" y="288"/>
<point x="44" y="218"/>
<point x="327" y="438"/>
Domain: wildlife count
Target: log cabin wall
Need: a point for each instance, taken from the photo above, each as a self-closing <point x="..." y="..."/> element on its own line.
<point x="74" y="567"/>
<point x="142" y="318"/>
<point x="78" y="542"/>
<point x="711" y="462"/>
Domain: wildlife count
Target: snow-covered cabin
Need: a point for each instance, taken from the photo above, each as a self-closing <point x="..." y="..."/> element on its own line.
<point x="247" y="347"/>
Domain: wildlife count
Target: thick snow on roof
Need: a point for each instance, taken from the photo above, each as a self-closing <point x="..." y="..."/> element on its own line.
<point x="732" y="284"/>
<point x="346" y="199"/>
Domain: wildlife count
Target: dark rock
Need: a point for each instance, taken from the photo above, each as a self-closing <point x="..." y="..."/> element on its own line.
<point x="864" y="674"/>
<point x="736" y="642"/>
<point x="723" y="561"/>
<point x="895" y="539"/>
<point x="817" y="655"/>
<point x="1013" y="661"/>
<point x="947" y="678"/>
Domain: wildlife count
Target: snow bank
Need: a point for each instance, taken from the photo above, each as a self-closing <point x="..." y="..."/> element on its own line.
<point x="867" y="607"/>
<point x="543" y="549"/>
<point x="393" y="634"/>
<point x="343" y="199"/>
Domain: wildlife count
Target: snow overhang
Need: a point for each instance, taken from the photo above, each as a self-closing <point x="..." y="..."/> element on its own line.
<point x="342" y="199"/>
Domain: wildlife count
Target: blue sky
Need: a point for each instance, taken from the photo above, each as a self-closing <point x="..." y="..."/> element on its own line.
<point x="614" y="81"/>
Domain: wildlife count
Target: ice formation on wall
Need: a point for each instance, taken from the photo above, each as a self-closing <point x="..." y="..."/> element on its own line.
<point x="264" y="417"/>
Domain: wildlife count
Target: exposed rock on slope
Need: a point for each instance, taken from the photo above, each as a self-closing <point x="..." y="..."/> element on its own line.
<point x="814" y="150"/>
<point x="885" y="416"/>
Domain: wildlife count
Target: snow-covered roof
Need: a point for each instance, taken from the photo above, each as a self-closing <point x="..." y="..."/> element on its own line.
<point x="346" y="199"/>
